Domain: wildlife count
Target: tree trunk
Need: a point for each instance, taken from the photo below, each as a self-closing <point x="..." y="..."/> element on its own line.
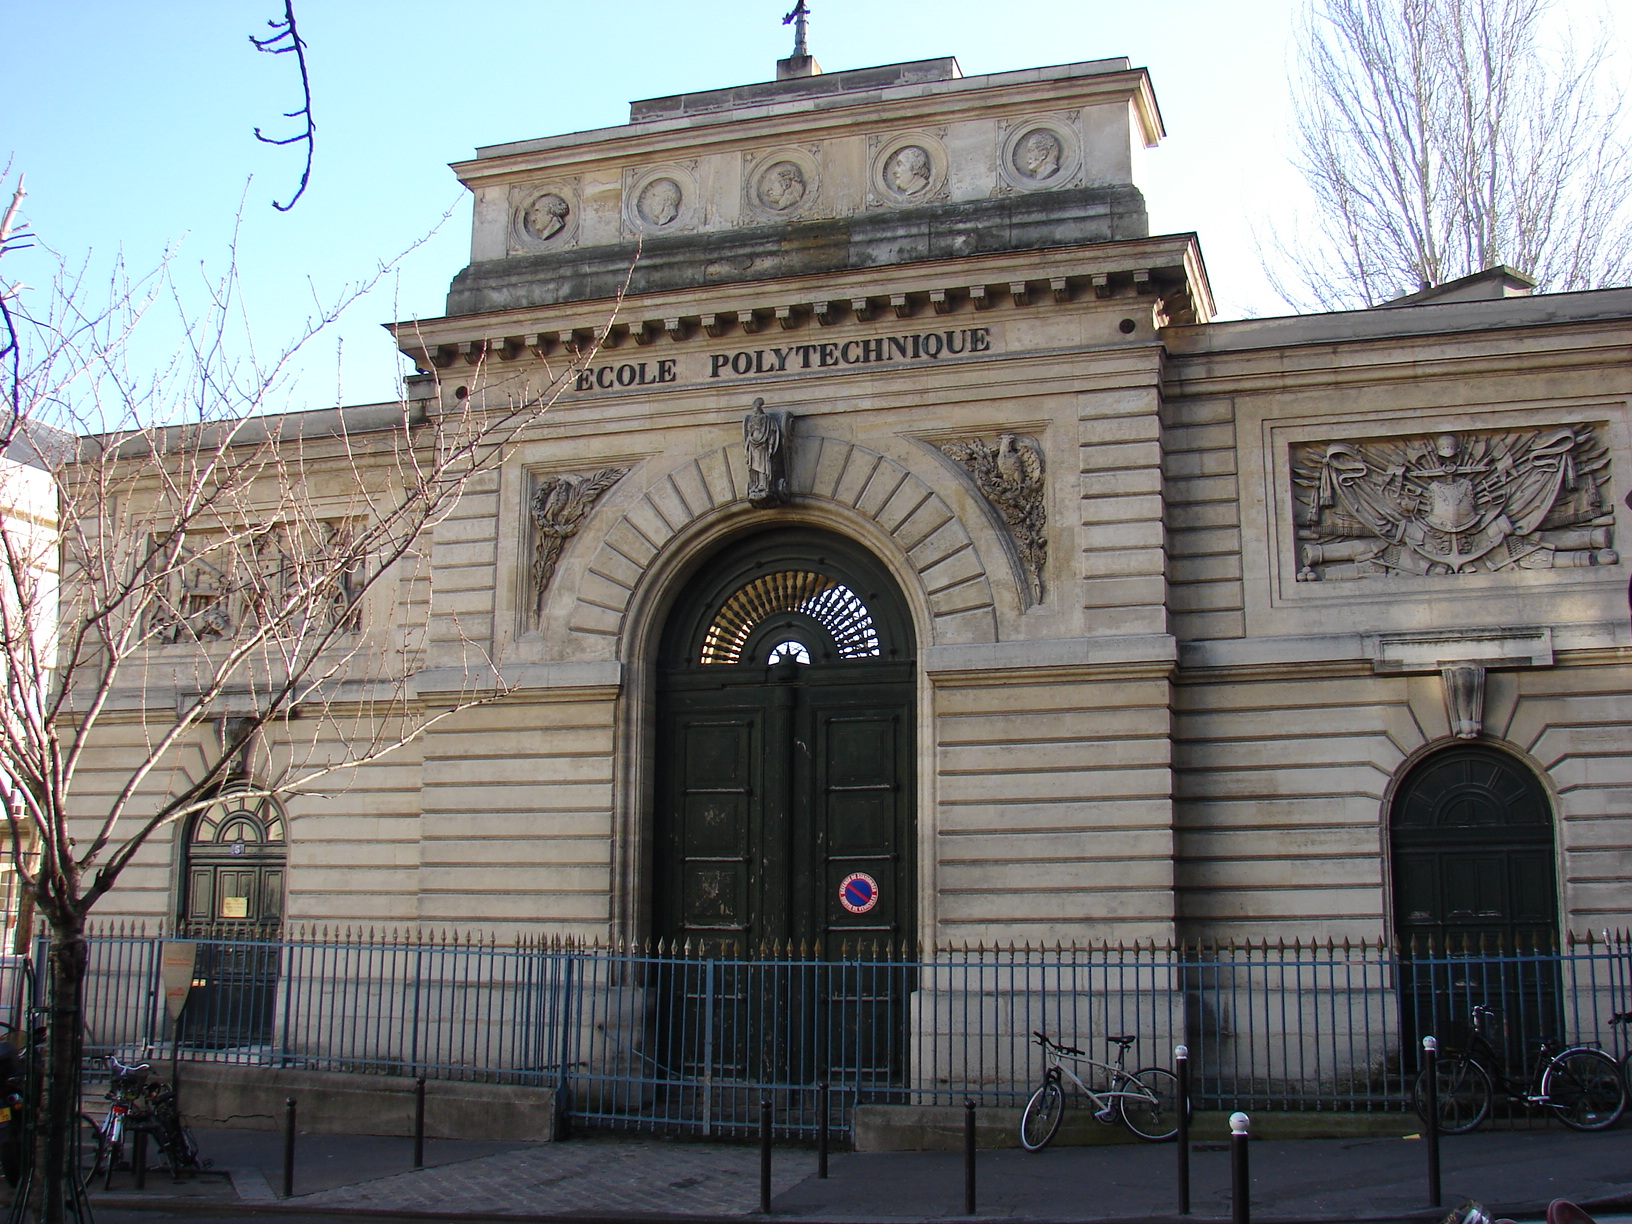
<point x="53" y="1184"/>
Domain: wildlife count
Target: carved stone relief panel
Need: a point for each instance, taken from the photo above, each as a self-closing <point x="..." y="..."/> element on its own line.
<point x="1452" y="503"/>
<point x="558" y="507"/>
<point x="544" y="217"/>
<point x="660" y="199"/>
<point x="222" y="583"/>
<point x="1009" y="474"/>
<point x="782" y="185"/>
<point x="907" y="168"/>
<point x="1041" y="153"/>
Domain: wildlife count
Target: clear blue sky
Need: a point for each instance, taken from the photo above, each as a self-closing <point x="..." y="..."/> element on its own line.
<point x="133" y="123"/>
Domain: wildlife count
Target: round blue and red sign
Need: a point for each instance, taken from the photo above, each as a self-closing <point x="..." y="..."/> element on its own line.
<point x="858" y="893"/>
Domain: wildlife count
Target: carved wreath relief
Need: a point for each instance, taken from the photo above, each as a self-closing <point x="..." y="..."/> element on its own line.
<point x="560" y="505"/>
<point x="1463" y="503"/>
<point x="1010" y="476"/>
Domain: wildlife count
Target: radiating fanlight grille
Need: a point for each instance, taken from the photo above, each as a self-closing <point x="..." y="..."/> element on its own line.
<point x="833" y="605"/>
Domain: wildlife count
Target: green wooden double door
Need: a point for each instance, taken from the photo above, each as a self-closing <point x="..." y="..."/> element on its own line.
<point x="782" y="786"/>
<point x="783" y="860"/>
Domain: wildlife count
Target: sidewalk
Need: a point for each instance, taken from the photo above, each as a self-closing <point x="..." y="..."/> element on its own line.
<point x="1511" y="1172"/>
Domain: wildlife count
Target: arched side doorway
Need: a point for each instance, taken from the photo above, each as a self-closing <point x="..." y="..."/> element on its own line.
<point x="234" y="857"/>
<point x="785" y="821"/>
<point x="1475" y="894"/>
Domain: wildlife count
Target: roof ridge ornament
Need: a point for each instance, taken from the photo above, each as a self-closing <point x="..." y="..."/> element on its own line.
<point x="801" y="63"/>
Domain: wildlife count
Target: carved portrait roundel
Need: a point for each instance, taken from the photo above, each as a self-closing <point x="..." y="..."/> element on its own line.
<point x="782" y="185"/>
<point x="909" y="169"/>
<point x="1039" y="155"/>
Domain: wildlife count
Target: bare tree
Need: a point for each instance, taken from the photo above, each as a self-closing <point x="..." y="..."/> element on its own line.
<point x="1439" y="140"/>
<point x="242" y="602"/>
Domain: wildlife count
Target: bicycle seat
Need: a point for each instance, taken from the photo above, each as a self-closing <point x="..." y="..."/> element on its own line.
<point x="1124" y="1041"/>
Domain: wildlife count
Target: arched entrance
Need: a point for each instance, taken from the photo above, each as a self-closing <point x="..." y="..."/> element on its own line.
<point x="784" y="823"/>
<point x="1475" y="893"/>
<point x="232" y="903"/>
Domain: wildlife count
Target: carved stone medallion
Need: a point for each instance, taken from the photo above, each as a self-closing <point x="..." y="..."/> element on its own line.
<point x="559" y="506"/>
<point x="659" y="202"/>
<point x="765" y="443"/>
<point x="1036" y="157"/>
<point x="1009" y="475"/>
<point x="1452" y="503"/>
<point x="908" y="171"/>
<point x="781" y="187"/>
<point x="1040" y="153"/>
<point x="546" y="217"/>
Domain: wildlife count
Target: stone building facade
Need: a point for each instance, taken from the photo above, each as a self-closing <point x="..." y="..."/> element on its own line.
<point x="916" y="560"/>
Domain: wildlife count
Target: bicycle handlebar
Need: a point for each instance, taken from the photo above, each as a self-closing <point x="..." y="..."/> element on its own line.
<point x="1042" y="1040"/>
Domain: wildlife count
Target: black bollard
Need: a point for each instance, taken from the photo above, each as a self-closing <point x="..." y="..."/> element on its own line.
<point x="138" y="1157"/>
<point x="765" y="1156"/>
<point x="969" y="1158"/>
<point x="1181" y="1064"/>
<point x="289" y="1147"/>
<point x="1430" y="1072"/>
<point x="821" y="1129"/>
<point x="419" y="1122"/>
<point x="1240" y="1181"/>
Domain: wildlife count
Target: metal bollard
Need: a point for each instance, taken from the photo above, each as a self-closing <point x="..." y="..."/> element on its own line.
<point x="1181" y="1065"/>
<point x="419" y="1122"/>
<point x="822" y="1106"/>
<point x="1430" y="1071"/>
<point x="1240" y="1181"/>
<point x="765" y="1155"/>
<point x="969" y="1157"/>
<point x="138" y="1157"/>
<point x="289" y="1147"/>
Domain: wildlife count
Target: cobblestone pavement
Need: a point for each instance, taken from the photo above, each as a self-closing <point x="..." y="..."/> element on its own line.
<point x="586" y="1175"/>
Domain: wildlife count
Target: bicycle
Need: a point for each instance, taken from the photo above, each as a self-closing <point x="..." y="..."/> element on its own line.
<point x="1580" y="1084"/>
<point x="1625" y="1019"/>
<point x="1147" y="1101"/>
<point x="135" y="1103"/>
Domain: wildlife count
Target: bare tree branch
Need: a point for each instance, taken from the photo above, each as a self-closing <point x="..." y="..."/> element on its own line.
<point x="1438" y="139"/>
<point x="284" y="40"/>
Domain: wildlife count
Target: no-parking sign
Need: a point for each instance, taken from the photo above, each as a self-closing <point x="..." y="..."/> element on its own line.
<point x="859" y="892"/>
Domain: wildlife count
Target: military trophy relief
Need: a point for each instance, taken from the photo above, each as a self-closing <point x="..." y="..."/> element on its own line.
<point x="560" y="503"/>
<point x="1009" y="474"/>
<point x="765" y="439"/>
<point x="226" y="583"/>
<point x="1452" y="504"/>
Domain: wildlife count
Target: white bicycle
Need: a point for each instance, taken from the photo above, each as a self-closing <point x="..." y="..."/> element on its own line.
<point x="1147" y="1101"/>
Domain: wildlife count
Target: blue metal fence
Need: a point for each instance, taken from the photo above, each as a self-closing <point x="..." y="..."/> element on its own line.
<point x="658" y="1039"/>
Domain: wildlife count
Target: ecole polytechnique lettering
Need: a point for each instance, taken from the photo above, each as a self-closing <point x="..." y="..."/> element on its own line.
<point x="921" y="346"/>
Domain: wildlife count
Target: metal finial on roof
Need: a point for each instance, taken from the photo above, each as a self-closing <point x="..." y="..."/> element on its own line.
<point x="799" y="20"/>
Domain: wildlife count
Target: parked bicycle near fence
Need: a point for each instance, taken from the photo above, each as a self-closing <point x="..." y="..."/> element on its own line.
<point x="1146" y="1101"/>
<point x="1582" y="1085"/>
<point x="136" y="1102"/>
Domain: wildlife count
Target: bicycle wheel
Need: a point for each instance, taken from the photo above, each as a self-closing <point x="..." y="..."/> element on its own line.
<point x="1042" y="1116"/>
<point x="1464" y="1091"/>
<point x="1154" y="1113"/>
<point x="1584" y="1088"/>
<point x="90" y="1150"/>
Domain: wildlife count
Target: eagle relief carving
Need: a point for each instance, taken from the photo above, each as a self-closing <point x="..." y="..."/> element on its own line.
<point x="1010" y="476"/>
<point x="1452" y="503"/>
<point x="559" y="506"/>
